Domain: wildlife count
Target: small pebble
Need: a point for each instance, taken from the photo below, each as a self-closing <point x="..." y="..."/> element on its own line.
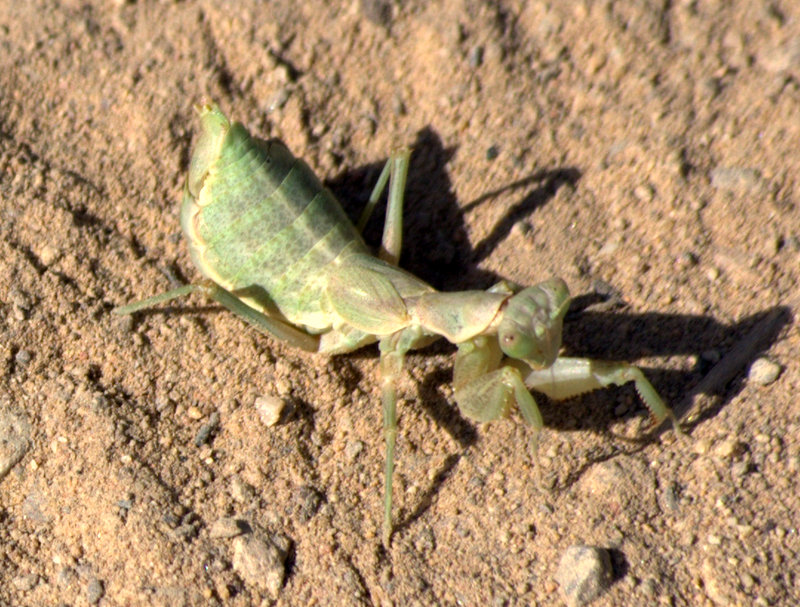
<point x="687" y="259"/>
<point x="353" y="449"/>
<point x="48" y="254"/>
<point x="23" y="357"/>
<point x="227" y="527"/>
<point x="308" y="500"/>
<point x="378" y="12"/>
<point x="279" y="99"/>
<point x="94" y="591"/>
<point x="475" y="58"/>
<point x="701" y="446"/>
<point x="606" y="290"/>
<point x="24" y="583"/>
<point x="21" y="302"/>
<point x="783" y="57"/>
<point x="584" y="573"/>
<point x="260" y="563"/>
<point x="735" y="178"/>
<point x="241" y="491"/>
<point x="66" y="576"/>
<point x="609" y="248"/>
<point x="125" y="504"/>
<point x="398" y="107"/>
<point x="14" y="439"/>
<point x="713" y="581"/>
<point x="740" y="469"/>
<point x="522" y="228"/>
<point x="748" y="581"/>
<point x="763" y="371"/>
<point x="425" y="541"/>
<point x="728" y="448"/>
<point x="671" y="497"/>
<point x="206" y="430"/>
<point x="270" y="408"/>
<point x="644" y="193"/>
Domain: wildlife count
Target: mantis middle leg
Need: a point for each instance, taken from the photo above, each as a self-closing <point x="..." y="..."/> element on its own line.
<point x="395" y="172"/>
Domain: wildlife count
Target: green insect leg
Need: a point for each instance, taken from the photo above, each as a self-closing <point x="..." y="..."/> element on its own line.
<point x="261" y="321"/>
<point x="395" y="172"/>
<point x="569" y="377"/>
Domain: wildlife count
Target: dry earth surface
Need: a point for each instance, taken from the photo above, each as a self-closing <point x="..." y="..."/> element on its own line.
<point x="645" y="151"/>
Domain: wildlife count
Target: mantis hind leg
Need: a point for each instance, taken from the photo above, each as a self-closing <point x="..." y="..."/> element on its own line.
<point x="264" y="323"/>
<point x="137" y="306"/>
<point x="395" y="173"/>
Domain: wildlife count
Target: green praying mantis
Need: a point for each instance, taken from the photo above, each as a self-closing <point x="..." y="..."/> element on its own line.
<point x="276" y="248"/>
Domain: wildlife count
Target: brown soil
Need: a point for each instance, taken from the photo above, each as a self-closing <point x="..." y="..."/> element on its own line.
<point x="645" y="151"/>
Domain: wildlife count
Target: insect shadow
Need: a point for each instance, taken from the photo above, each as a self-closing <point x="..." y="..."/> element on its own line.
<point x="719" y="351"/>
<point x="437" y="249"/>
<point x="436" y="245"/>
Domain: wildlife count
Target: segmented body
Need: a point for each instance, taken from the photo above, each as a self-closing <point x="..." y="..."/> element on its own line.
<point x="261" y="225"/>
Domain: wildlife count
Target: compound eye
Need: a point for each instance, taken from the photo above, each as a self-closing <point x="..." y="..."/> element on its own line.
<point x="516" y="344"/>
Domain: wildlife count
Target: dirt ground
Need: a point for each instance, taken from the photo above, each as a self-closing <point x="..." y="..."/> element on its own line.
<point x="645" y="151"/>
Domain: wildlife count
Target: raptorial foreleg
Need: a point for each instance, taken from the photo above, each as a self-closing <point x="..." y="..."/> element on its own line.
<point x="485" y="390"/>
<point x="568" y="377"/>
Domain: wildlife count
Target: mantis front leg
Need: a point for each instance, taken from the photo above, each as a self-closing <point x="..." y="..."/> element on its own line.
<point x="485" y="390"/>
<point x="568" y="377"/>
<point x="486" y="385"/>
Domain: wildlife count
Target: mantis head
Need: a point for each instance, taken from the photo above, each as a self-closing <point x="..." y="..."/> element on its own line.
<point x="532" y="322"/>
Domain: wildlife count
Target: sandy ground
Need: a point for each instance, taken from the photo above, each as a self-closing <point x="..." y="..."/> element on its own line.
<point x="645" y="151"/>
